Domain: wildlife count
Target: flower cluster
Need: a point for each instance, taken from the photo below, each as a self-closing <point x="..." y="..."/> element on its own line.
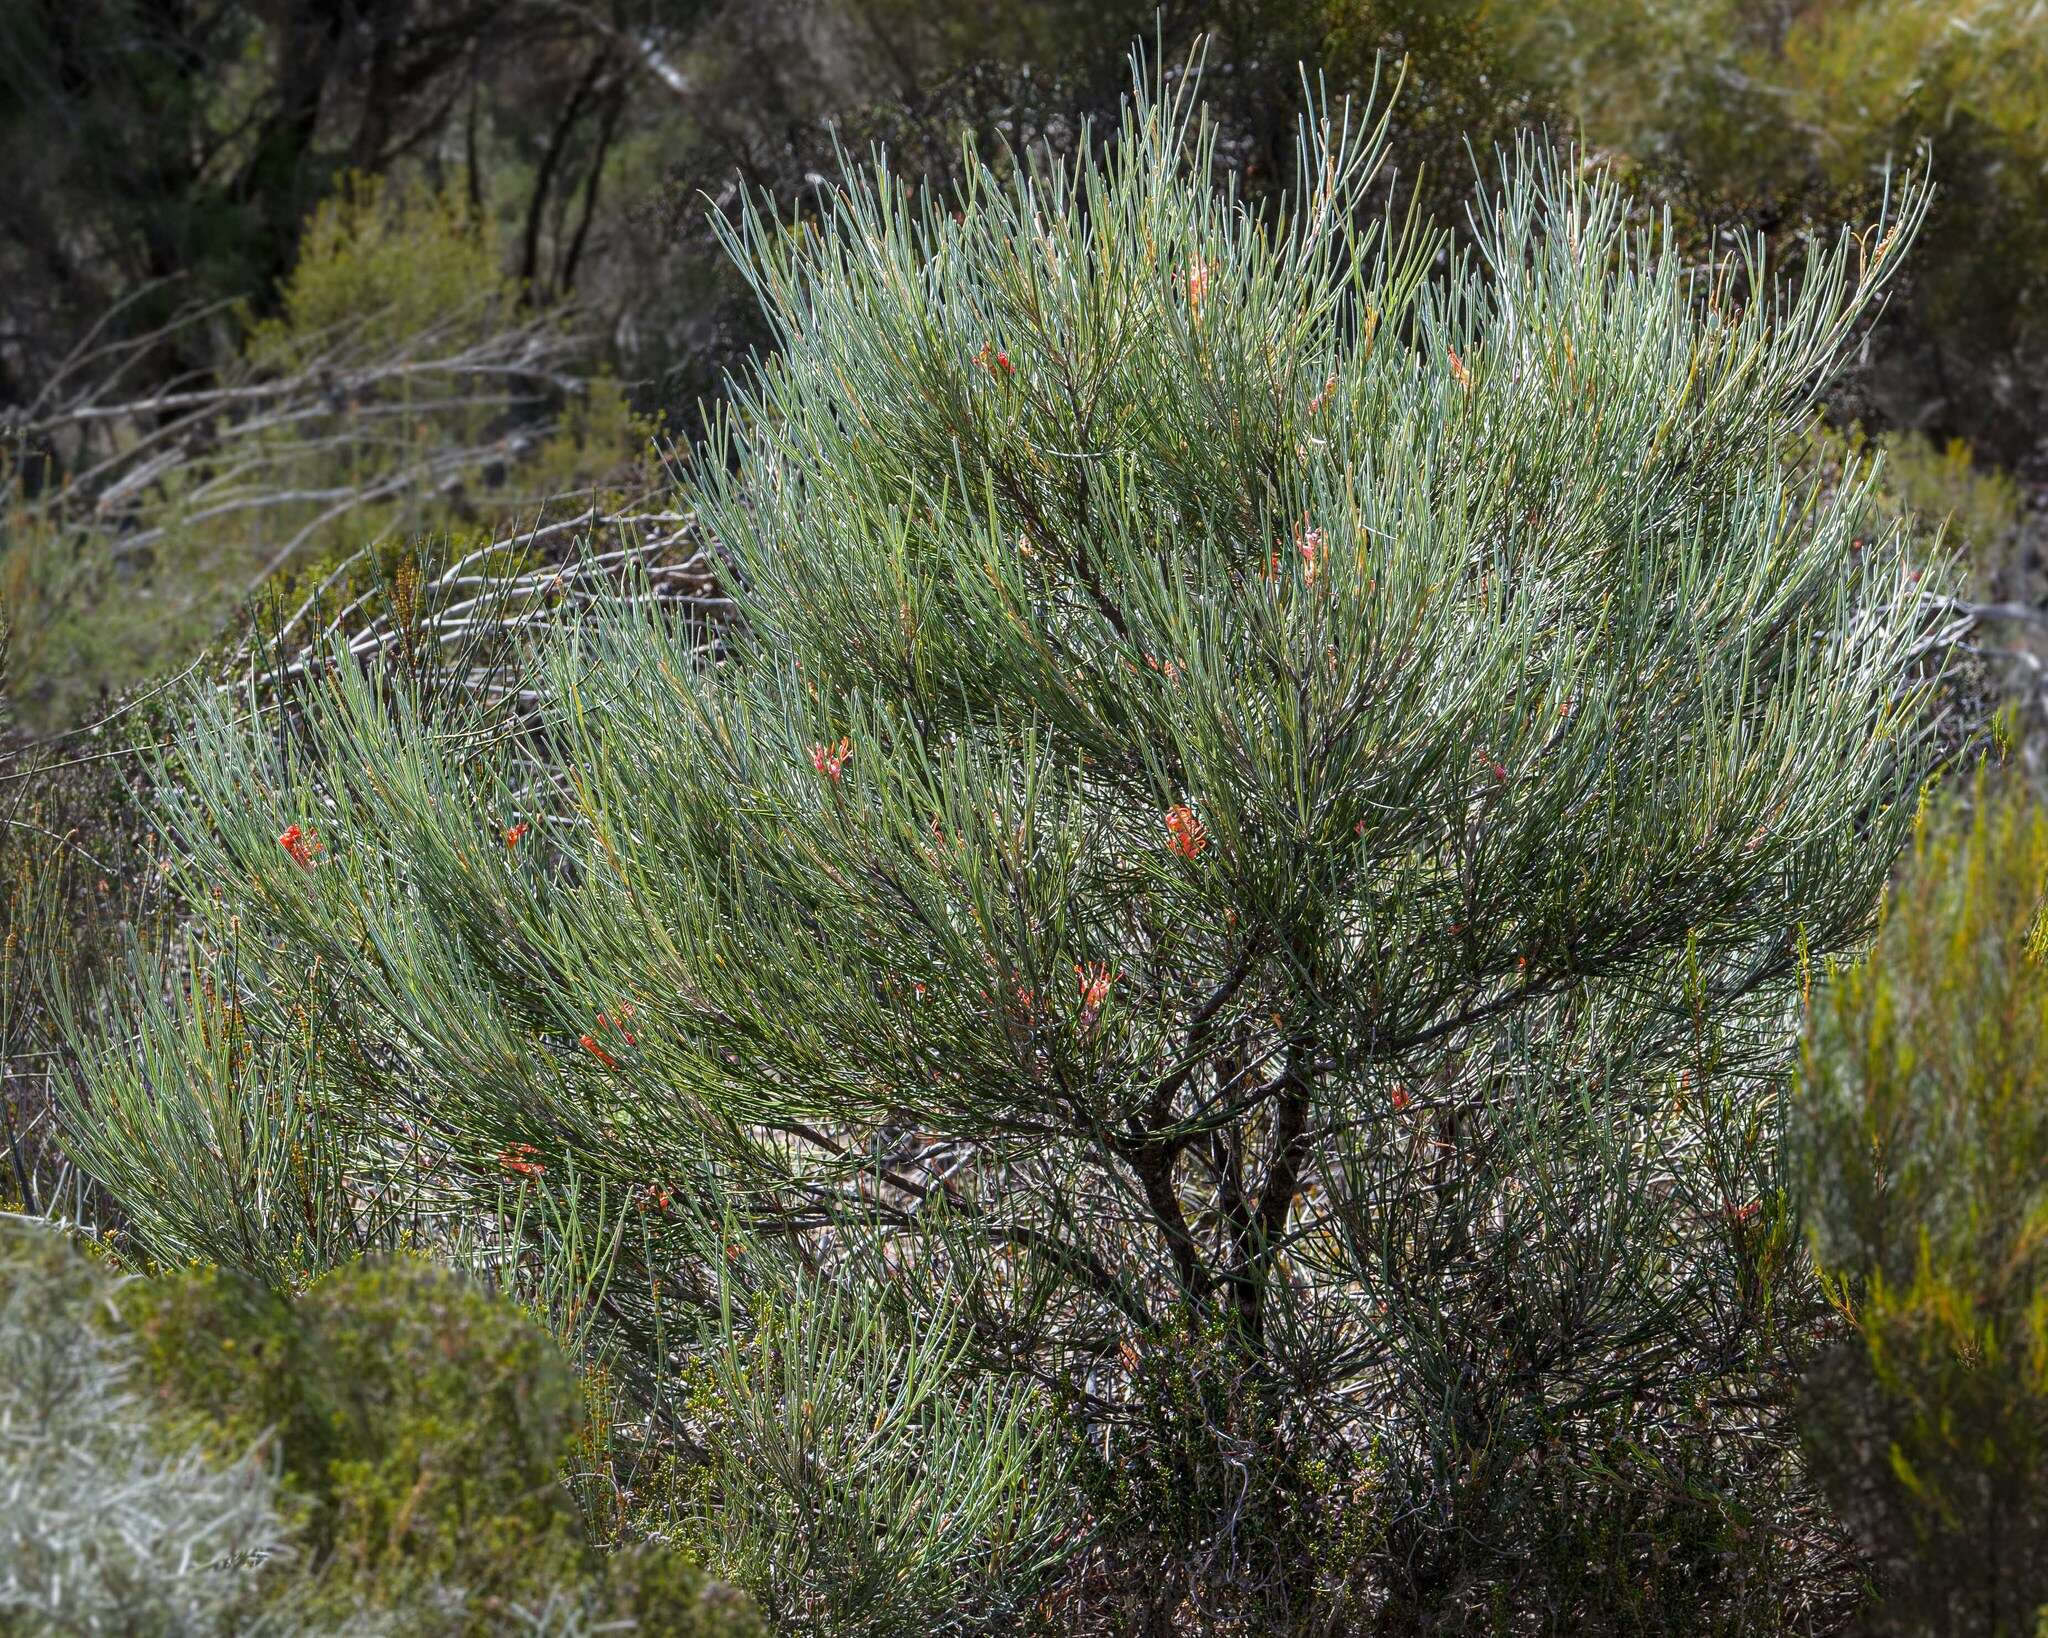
<point x="606" y="1023"/>
<point x="1184" y="832"/>
<point x="831" y="760"/>
<point x="518" y="1158"/>
<point x="516" y="834"/>
<point x="301" y="845"/>
<point x="1095" y="980"/>
<point x="995" y="361"/>
<point x="1310" y="543"/>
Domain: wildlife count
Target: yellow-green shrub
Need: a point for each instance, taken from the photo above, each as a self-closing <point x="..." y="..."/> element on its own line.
<point x="1922" y="1124"/>
<point x="400" y="393"/>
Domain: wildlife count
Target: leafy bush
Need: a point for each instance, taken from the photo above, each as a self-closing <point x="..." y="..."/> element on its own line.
<point x="421" y="1418"/>
<point x="1923" y="1125"/>
<point x="1241" y="876"/>
<point x="1978" y="510"/>
<point x="105" y="1525"/>
<point x="195" y="1454"/>
<point x="422" y="1427"/>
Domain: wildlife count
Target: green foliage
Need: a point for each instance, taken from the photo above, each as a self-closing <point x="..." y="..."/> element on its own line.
<point x="403" y="398"/>
<point x="422" y="1427"/>
<point x="106" y="1524"/>
<point x="1258" y="803"/>
<point x="195" y="1454"/>
<point x="248" y="1170"/>
<point x="397" y="272"/>
<point x="421" y="1418"/>
<point x="1924" y="1132"/>
<point x="1205" y="1436"/>
<point x="383" y="264"/>
<point x="76" y="866"/>
<point x="1788" y="117"/>
<point x="863" y="1483"/>
<point x="1976" y="509"/>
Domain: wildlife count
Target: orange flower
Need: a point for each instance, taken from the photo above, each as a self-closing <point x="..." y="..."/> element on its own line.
<point x="1184" y="832"/>
<point x="1198" y="285"/>
<point x="831" y="759"/>
<point x="1400" y="1098"/>
<point x="995" y="361"/>
<point x="516" y="834"/>
<point x="301" y="845"/>
<point x="1459" y="373"/>
<point x="1095" y="980"/>
<point x="589" y="1045"/>
<point x="518" y="1158"/>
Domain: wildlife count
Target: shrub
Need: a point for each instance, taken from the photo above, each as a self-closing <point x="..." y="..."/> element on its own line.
<point x="1978" y="509"/>
<point x="77" y="883"/>
<point x="401" y="395"/>
<point x="106" y="1524"/>
<point x="422" y="1427"/>
<point x="1923" y="1127"/>
<point x="1260" y="808"/>
<point x="196" y="1454"/>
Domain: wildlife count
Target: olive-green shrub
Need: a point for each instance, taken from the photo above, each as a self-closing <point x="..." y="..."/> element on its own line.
<point x="422" y="1426"/>
<point x="1787" y="114"/>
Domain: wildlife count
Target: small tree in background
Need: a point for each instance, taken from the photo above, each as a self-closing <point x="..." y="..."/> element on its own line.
<point x="1239" y="876"/>
<point x="1924" y="1135"/>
